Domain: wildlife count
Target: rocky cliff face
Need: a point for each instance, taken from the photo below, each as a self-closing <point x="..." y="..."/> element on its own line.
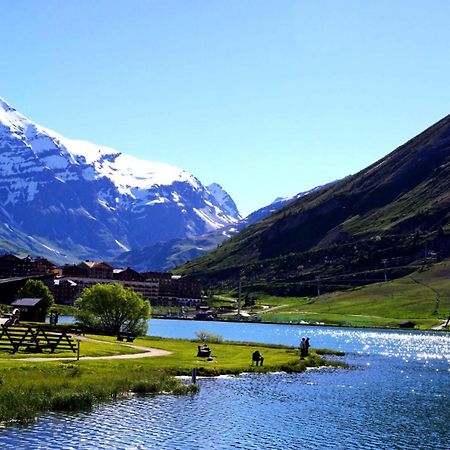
<point x="73" y="199"/>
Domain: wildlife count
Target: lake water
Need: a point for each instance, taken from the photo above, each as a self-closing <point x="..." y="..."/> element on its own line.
<point x="395" y="396"/>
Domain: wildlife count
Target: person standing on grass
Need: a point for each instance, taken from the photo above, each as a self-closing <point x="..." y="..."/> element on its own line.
<point x="307" y="346"/>
<point x="302" y="348"/>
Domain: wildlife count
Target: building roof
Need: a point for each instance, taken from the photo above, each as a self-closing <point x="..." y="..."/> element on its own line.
<point x="13" y="279"/>
<point x="95" y="265"/>
<point x="57" y="281"/>
<point x="10" y="257"/>
<point x="26" y="301"/>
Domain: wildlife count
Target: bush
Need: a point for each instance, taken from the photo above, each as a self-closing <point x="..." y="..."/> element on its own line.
<point x="73" y="401"/>
<point x="206" y="336"/>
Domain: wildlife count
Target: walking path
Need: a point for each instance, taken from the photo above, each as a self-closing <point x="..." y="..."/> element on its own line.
<point x="442" y="326"/>
<point x="147" y="352"/>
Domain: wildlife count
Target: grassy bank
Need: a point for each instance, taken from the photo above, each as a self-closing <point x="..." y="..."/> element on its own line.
<point x="227" y="358"/>
<point x="30" y="388"/>
<point x="422" y="297"/>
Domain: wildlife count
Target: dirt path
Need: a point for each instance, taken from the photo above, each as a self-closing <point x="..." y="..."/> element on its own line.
<point x="443" y="326"/>
<point x="147" y="352"/>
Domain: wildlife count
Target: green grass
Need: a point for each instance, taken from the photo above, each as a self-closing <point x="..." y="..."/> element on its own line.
<point x="221" y="300"/>
<point x="422" y="297"/>
<point x="28" y="388"/>
<point x="228" y="358"/>
<point x="86" y="349"/>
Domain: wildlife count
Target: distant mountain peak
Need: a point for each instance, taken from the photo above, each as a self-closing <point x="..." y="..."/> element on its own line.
<point x="224" y="199"/>
<point x="5" y="105"/>
<point x="91" y="197"/>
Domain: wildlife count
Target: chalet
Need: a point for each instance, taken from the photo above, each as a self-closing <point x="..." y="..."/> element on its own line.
<point x="14" y="266"/>
<point x="89" y="269"/>
<point x="100" y="270"/>
<point x="127" y="274"/>
<point x="75" y="270"/>
<point x="42" y="266"/>
<point x="65" y="291"/>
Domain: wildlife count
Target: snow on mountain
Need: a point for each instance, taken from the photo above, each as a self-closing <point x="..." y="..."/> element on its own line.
<point x="172" y="253"/>
<point x="224" y="199"/>
<point x="94" y="200"/>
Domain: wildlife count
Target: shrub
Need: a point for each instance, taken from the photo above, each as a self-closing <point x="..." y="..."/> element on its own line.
<point x="206" y="336"/>
<point x="73" y="401"/>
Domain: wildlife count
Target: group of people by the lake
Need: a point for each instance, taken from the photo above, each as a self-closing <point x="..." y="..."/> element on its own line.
<point x="304" y="348"/>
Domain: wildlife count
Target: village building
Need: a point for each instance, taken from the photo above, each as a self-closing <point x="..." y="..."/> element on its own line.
<point x="161" y="289"/>
<point x="89" y="269"/>
<point x="67" y="283"/>
<point x="67" y="289"/>
<point x="15" y="266"/>
<point x="128" y="274"/>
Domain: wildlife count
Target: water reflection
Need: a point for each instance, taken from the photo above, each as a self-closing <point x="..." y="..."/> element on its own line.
<point x="395" y="396"/>
<point x="404" y="344"/>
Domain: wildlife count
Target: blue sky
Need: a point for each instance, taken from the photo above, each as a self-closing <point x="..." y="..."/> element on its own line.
<point x="268" y="98"/>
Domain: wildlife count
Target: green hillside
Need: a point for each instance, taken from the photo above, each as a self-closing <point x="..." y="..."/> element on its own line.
<point x="422" y="297"/>
<point x="395" y="212"/>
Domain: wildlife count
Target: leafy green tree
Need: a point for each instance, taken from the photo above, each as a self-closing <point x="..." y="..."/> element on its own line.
<point x="37" y="289"/>
<point x="111" y="308"/>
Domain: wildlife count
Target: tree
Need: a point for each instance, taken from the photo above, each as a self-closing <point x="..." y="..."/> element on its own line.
<point x="37" y="289"/>
<point x="112" y="308"/>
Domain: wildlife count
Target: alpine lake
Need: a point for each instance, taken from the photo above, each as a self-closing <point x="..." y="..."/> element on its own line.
<point x="396" y="395"/>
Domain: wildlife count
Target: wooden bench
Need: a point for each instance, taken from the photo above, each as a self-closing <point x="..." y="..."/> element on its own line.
<point x="125" y="336"/>
<point x="203" y="351"/>
<point x="35" y="339"/>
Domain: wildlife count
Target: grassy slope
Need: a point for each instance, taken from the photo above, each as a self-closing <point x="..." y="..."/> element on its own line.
<point x="422" y="297"/>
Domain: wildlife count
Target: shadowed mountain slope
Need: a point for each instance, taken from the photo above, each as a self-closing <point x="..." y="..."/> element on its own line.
<point x="170" y="254"/>
<point x="391" y="209"/>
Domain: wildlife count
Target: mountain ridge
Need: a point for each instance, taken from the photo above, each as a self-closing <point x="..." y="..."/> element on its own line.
<point x="407" y="192"/>
<point x="170" y="254"/>
<point x="81" y="199"/>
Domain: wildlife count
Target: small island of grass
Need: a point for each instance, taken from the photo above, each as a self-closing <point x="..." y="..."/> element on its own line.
<point x="30" y="387"/>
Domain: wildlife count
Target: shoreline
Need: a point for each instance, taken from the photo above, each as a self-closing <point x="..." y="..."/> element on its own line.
<point x="440" y="329"/>
<point x="31" y="387"/>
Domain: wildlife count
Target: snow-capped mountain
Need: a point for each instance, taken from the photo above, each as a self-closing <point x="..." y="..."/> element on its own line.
<point x="172" y="253"/>
<point x="224" y="199"/>
<point x="83" y="200"/>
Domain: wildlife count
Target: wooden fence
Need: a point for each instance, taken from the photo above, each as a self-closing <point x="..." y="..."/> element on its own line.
<point x="35" y="339"/>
